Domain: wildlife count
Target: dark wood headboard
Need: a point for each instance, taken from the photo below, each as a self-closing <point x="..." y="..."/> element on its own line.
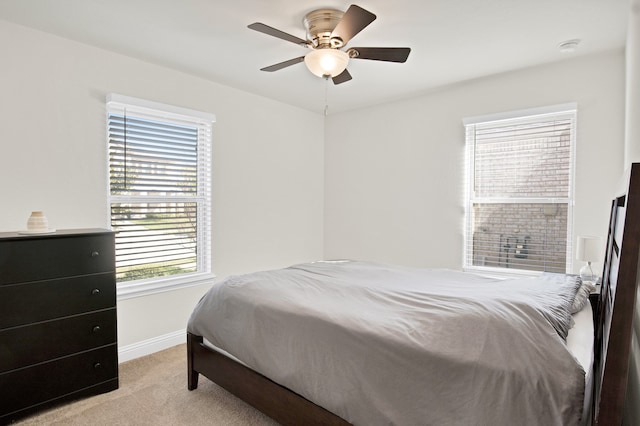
<point x="616" y="305"/>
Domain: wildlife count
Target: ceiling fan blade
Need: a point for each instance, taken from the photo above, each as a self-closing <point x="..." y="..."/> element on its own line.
<point x="260" y="27"/>
<point x="389" y="54"/>
<point x="284" y="64"/>
<point x="342" y="77"/>
<point x="354" y="20"/>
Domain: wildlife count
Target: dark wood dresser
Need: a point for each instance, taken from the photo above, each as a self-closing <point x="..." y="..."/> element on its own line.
<point x="58" y="336"/>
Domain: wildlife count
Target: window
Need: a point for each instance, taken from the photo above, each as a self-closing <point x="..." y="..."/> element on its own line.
<point x="520" y="190"/>
<point x="159" y="194"/>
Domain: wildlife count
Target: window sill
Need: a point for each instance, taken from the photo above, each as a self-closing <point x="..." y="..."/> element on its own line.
<point x="142" y="288"/>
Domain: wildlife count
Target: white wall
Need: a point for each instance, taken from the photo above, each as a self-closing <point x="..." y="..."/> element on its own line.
<point x="394" y="173"/>
<point x="632" y="153"/>
<point x="632" y="56"/>
<point x="267" y="180"/>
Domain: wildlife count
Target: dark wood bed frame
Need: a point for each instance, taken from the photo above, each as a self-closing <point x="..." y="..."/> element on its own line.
<point x="616" y="306"/>
<point x="614" y="313"/>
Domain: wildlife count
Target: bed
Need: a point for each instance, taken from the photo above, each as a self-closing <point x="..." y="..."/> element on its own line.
<point x="351" y="342"/>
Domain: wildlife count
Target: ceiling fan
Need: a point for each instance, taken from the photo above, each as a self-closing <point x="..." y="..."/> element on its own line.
<point x="328" y="32"/>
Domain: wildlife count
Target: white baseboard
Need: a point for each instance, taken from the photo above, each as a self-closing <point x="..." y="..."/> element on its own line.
<point x="149" y="346"/>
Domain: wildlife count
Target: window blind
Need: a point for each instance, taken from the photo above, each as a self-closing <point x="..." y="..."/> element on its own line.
<point x="152" y="157"/>
<point x="160" y="191"/>
<point x="520" y="193"/>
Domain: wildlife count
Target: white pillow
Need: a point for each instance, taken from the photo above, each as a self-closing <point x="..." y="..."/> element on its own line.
<point x="582" y="296"/>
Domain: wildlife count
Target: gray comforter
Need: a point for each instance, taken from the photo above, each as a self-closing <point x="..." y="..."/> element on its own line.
<point x="379" y="344"/>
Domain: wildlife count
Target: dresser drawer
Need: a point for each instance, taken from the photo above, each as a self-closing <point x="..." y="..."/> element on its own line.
<point x="43" y="300"/>
<point x="33" y="259"/>
<point x="24" y="388"/>
<point x="32" y="344"/>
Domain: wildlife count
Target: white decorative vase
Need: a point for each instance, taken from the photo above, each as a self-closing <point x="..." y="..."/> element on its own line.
<point x="37" y="222"/>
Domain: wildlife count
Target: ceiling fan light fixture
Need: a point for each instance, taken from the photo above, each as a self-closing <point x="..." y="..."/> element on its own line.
<point x="326" y="62"/>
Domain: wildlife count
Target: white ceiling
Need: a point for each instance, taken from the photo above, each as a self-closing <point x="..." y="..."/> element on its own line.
<point x="451" y="40"/>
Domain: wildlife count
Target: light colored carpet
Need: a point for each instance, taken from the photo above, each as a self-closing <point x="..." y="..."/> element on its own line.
<point x="153" y="391"/>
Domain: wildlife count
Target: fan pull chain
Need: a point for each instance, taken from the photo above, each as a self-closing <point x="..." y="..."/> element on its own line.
<point x="326" y="103"/>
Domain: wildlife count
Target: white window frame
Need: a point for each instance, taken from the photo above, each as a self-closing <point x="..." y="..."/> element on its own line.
<point x="204" y="275"/>
<point x="531" y="113"/>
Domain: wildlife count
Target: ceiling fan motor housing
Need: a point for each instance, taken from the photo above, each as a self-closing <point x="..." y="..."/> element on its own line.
<point x="320" y="24"/>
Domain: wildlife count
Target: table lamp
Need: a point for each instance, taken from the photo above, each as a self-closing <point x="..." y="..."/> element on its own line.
<point x="589" y="250"/>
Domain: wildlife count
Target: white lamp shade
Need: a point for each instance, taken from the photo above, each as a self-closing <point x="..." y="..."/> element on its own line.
<point x="589" y="249"/>
<point x="326" y="62"/>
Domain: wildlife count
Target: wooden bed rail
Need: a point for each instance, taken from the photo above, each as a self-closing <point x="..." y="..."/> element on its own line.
<point x="274" y="400"/>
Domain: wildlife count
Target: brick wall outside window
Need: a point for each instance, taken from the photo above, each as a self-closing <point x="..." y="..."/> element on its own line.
<point x="521" y="236"/>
